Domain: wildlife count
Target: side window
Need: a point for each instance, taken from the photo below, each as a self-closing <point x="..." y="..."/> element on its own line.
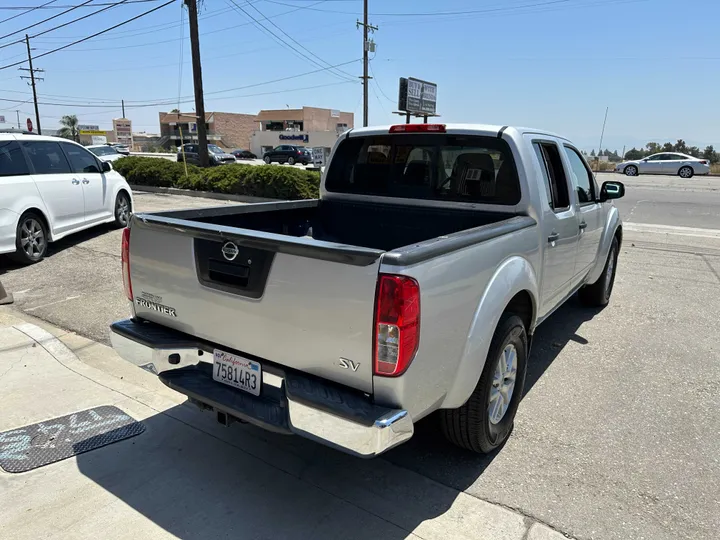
<point x="46" y="157"/>
<point x="583" y="178"/>
<point x="81" y="161"/>
<point x="556" y="184"/>
<point x="12" y="160"/>
<point x="658" y="157"/>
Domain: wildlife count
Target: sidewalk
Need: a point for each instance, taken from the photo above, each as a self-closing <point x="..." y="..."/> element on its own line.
<point x="188" y="477"/>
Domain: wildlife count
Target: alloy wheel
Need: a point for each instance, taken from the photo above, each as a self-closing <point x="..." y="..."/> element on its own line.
<point x="32" y="238"/>
<point x="503" y="384"/>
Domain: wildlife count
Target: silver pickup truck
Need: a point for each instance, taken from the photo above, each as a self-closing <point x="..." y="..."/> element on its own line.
<point x="413" y="285"/>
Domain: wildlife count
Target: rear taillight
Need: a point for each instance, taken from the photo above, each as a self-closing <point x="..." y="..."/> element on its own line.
<point x="418" y="128"/>
<point x="704" y="161"/>
<point x="299" y="153"/>
<point x="125" y="258"/>
<point x="397" y="324"/>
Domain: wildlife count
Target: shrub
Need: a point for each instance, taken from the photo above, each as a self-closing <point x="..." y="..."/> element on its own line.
<point x="267" y="181"/>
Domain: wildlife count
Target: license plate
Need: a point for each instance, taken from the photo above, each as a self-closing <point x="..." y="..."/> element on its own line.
<point x="237" y="371"/>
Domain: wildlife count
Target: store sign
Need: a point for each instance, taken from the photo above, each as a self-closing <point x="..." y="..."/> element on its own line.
<point x="297" y="137"/>
<point x="92" y="132"/>
<point x="88" y="127"/>
<point x="417" y="96"/>
<point x="98" y="139"/>
<point x="334" y="113"/>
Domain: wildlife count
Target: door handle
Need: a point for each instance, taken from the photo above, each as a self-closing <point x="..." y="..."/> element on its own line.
<point x="582" y="225"/>
<point x="75" y="181"/>
<point x="554" y="237"/>
<point x="86" y="181"/>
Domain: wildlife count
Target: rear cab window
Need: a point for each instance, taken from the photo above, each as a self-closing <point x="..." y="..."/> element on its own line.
<point x="442" y="167"/>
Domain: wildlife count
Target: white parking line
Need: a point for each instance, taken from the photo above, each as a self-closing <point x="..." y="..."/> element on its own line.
<point x="671" y="229"/>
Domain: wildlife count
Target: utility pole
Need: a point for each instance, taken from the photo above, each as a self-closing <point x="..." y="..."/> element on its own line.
<point x="197" y="81"/>
<point x="123" y="107"/>
<point x="18" y="119"/>
<point x="32" y="83"/>
<point x="366" y="48"/>
<point x="602" y="135"/>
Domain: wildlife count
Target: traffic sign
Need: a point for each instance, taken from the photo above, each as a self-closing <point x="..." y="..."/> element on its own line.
<point x="29" y="124"/>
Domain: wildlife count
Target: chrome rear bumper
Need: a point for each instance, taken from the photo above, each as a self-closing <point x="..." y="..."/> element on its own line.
<point x="290" y="402"/>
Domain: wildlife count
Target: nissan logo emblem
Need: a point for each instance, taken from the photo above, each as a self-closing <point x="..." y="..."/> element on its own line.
<point x="230" y="251"/>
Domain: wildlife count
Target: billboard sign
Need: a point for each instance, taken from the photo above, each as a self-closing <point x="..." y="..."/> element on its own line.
<point x="88" y="127"/>
<point x="417" y="96"/>
<point x="98" y="139"/>
<point x="92" y="132"/>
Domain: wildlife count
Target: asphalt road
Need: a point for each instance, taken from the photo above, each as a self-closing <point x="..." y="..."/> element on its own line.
<point x="670" y="200"/>
<point x="617" y="436"/>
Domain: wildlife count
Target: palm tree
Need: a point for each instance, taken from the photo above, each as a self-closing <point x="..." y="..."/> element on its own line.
<point x="69" y="129"/>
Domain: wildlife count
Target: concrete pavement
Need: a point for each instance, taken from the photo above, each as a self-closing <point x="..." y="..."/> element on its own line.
<point x="186" y="477"/>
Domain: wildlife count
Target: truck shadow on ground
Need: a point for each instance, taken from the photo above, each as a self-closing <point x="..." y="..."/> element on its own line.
<point x="198" y="480"/>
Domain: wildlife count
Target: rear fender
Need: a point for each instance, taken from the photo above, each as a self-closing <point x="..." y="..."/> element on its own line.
<point x="612" y="223"/>
<point x="514" y="275"/>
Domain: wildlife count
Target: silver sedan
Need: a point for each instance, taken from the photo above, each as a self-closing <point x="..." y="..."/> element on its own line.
<point x="672" y="163"/>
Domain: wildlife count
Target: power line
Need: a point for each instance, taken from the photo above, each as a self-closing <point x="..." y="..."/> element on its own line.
<point x="45" y="20"/>
<point x="347" y="75"/>
<point x="188" y="99"/>
<point x="10" y="8"/>
<point x="372" y="71"/>
<point x="28" y="11"/>
<point x="287" y="45"/>
<point x="95" y="34"/>
<point x="109" y="6"/>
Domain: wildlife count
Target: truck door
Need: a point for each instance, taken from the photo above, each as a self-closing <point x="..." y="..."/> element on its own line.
<point x="588" y="212"/>
<point x="559" y="227"/>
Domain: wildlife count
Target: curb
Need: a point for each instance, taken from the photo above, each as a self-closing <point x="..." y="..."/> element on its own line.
<point x="5" y="297"/>
<point x="202" y="194"/>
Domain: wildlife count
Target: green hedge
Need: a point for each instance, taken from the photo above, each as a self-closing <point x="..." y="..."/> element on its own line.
<point x="268" y="181"/>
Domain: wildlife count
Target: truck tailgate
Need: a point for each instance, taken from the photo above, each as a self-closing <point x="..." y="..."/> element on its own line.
<point x="282" y="299"/>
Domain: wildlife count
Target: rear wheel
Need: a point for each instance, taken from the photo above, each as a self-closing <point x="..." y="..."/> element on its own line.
<point x="31" y="239"/>
<point x="598" y="294"/>
<point x="485" y="421"/>
<point x="122" y="209"/>
<point x="686" y="172"/>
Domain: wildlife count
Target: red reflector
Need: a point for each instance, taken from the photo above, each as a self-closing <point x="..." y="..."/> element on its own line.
<point x="125" y="260"/>
<point x="418" y="128"/>
<point x="397" y="324"/>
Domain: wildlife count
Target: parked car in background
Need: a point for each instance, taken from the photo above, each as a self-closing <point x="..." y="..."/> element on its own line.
<point x="50" y="188"/>
<point x="121" y="148"/>
<point x="105" y="152"/>
<point x="672" y="163"/>
<point x="216" y="155"/>
<point x="239" y="153"/>
<point x="287" y="153"/>
<point x="413" y="285"/>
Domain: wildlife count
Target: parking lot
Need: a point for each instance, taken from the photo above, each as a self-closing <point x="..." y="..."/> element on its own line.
<point x="616" y="437"/>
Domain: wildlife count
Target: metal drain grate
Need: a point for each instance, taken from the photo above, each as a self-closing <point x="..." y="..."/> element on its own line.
<point x="33" y="446"/>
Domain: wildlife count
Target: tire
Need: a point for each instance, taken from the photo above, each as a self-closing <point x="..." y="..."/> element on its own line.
<point x="475" y="426"/>
<point x="686" y="172"/>
<point x="122" y="209"/>
<point x="598" y="293"/>
<point x="31" y="239"/>
<point x="291" y="161"/>
<point x="631" y="170"/>
<point x="266" y="159"/>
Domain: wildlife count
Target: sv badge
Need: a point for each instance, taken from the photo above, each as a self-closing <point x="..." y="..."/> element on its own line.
<point x="349" y="364"/>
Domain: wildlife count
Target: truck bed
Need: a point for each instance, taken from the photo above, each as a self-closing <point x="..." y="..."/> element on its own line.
<point x="375" y="226"/>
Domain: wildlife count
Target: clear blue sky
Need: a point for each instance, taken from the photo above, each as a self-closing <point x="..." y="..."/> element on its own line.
<point x="553" y="65"/>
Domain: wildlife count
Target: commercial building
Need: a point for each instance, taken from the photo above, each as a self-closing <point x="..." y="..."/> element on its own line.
<point x="310" y="126"/>
<point x="227" y="130"/>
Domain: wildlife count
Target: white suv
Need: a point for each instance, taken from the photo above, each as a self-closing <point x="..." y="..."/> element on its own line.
<point x="50" y="188"/>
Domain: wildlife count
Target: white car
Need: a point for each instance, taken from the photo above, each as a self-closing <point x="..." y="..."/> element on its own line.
<point x="105" y="152"/>
<point x="50" y="188"/>
<point x="672" y="163"/>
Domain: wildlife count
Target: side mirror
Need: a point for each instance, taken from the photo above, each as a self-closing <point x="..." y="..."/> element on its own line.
<point x="612" y="190"/>
<point x="106" y="166"/>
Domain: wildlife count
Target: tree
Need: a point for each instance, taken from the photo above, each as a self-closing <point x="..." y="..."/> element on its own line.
<point x="592" y="153"/>
<point x="710" y="154"/>
<point x="176" y="111"/>
<point x="668" y="147"/>
<point x="653" y="148"/>
<point x="680" y="146"/>
<point x="694" y="151"/>
<point x="634" y="154"/>
<point x="69" y="129"/>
